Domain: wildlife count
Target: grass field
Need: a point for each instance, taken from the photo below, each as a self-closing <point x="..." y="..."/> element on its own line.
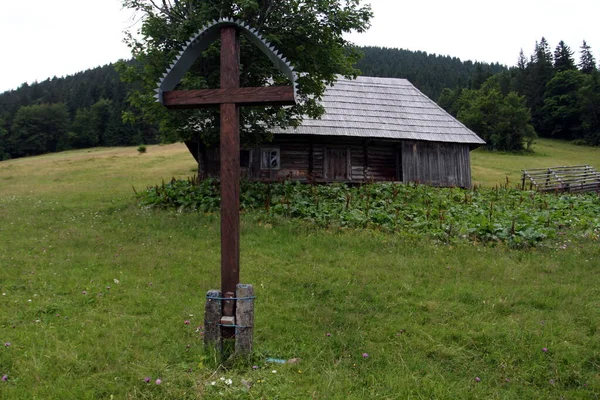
<point x="95" y="293"/>
<point x="490" y="169"/>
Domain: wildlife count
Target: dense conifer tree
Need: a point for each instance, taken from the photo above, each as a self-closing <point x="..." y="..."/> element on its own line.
<point x="587" y="62"/>
<point x="563" y="57"/>
<point x="589" y="103"/>
<point x="482" y="73"/>
<point x="561" y="109"/>
<point x="540" y="71"/>
<point x="3" y="138"/>
<point x="430" y="73"/>
<point x="520" y="82"/>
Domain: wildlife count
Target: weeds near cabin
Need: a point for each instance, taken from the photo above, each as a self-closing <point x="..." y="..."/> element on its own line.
<point x="518" y="218"/>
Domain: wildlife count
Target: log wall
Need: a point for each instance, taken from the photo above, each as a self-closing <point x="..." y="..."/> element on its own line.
<point x="303" y="158"/>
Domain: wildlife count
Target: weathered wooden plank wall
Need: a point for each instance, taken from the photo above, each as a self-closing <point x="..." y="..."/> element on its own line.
<point x="438" y="164"/>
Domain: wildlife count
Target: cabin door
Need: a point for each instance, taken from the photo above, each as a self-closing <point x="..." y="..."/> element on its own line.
<point x="336" y="163"/>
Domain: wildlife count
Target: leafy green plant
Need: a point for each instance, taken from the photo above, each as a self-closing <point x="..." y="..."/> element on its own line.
<point x="141" y="149"/>
<point x="500" y="215"/>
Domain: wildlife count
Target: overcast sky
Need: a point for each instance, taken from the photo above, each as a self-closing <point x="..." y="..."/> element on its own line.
<point x="41" y="38"/>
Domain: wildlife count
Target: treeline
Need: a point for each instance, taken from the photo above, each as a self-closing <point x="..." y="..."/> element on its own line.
<point x="78" y="111"/>
<point x="86" y="109"/>
<point x="430" y="73"/>
<point x="548" y="94"/>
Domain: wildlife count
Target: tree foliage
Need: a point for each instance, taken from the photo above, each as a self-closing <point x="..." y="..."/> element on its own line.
<point x="430" y="73"/>
<point x="37" y="129"/>
<point x="3" y="137"/>
<point x="563" y="58"/>
<point x="503" y="121"/>
<point x="309" y="33"/>
<point x="589" y="105"/>
<point x="563" y="100"/>
<point x="561" y="110"/>
<point x="95" y="101"/>
<point x="587" y="62"/>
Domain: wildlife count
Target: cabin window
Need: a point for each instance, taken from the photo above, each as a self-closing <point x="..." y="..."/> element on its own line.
<point x="269" y="158"/>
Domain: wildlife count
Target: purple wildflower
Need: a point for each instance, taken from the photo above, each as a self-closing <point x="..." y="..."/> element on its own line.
<point x="328" y="334"/>
<point x="545" y="349"/>
<point x="255" y="367"/>
<point x="4" y="378"/>
<point x="84" y="292"/>
<point x="158" y="381"/>
<point x="477" y="379"/>
<point x="7" y="344"/>
<point x="147" y="379"/>
<point x="187" y="322"/>
<point x="365" y="355"/>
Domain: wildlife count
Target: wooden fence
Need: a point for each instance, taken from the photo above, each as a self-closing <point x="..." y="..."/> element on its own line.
<point x="575" y="178"/>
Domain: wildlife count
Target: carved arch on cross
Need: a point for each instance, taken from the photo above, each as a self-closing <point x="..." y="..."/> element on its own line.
<point x="200" y="41"/>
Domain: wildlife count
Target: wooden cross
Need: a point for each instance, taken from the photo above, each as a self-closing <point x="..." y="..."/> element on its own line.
<point x="229" y="98"/>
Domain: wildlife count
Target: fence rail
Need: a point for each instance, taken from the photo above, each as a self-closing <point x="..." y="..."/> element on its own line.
<point x="574" y="178"/>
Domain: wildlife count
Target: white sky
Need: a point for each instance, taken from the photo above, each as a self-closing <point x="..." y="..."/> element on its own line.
<point x="40" y="39"/>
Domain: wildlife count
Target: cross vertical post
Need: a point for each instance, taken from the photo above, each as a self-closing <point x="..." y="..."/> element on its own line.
<point x="230" y="172"/>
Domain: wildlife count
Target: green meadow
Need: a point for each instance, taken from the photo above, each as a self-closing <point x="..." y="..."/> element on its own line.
<point x="97" y="294"/>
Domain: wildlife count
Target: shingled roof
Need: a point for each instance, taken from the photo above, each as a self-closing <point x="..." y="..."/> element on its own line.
<point x="384" y="108"/>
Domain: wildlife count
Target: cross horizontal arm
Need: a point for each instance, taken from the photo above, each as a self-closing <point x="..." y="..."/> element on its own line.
<point x="248" y="96"/>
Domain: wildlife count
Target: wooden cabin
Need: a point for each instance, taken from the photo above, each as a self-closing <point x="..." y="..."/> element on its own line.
<point x="374" y="129"/>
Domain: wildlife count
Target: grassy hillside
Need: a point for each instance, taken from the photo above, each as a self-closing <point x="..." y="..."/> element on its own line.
<point x="96" y="293"/>
<point x="490" y="169"/>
